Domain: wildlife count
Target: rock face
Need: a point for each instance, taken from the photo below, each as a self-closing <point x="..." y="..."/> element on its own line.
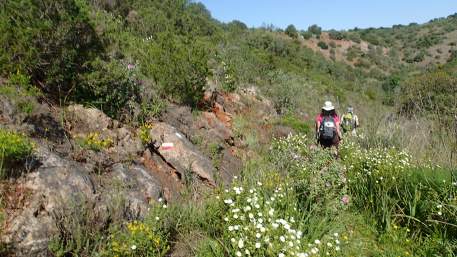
<point x="86" y="120"/>
<point x="181" y="154"/>
<point x="65" y="174"/>
<point x="59" y="184"/>
<point x="30" y="230"/>
<point x="126" y="145"/>
<point x="139" y="187"/>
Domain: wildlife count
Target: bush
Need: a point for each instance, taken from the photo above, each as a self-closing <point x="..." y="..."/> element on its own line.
<point x="384" y="182"/>
<point x="306" y="35"/>
<point x="430" y="93"/>
<point x="48" y="40"/>
<point x="109" y="87"/>
<point x="14" y="148"/>
<point x="95" y="142"/>
<point x="335" y="35"/>
<point x="291" y="31"/>
<point x="298" y="125"/>
<point x="315" y="30"/>
<point x="179" y="68"/>
<point x="322" y="45"/>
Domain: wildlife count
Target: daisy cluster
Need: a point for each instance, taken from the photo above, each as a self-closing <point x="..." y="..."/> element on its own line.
<point x="290" y="152"/>
<point x="263" y="223"/>
<point x="382" y="165"/>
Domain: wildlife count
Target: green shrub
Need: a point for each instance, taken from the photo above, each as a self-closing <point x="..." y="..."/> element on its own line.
<point x="384" y="182"/>
<point x="430" y="93"/>
<point x="335" y="35"/>
<point x="110" y="86"/>
<point x="322" y="45"/>
<point x="179" y="68"/>
<point x="14" y="148"/>
<point x="21" y="93"/>
<point x="315" y="30"/>
<point x="138" y="238"/>
<point x="306" y="35"/>
<point x="291" y="31"/>
<point x="48" y="40"/>
<point x="298" y="125"/>
<point x="94" y="141"/>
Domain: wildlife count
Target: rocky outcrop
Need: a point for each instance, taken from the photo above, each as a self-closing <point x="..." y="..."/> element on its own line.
<point x="137" y="186"/>
<point x="60" y="184"/>
<point x="85" y="120"/>
<point x="187" y="149"/>
<point x="180" y="153"/>
<point x="126" y="145"/>
<point x="29" y="230"/>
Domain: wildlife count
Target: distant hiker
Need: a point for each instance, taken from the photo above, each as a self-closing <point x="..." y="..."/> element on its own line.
<point x="350" y="121"/>
<point x="328" y="131"/>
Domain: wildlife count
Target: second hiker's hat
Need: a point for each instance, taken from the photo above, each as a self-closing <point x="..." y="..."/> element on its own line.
<point x="350" y="109"/>
<point x="328" y="106"/>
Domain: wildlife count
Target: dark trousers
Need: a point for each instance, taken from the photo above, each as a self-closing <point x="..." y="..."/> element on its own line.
<point x="326" y="143"/>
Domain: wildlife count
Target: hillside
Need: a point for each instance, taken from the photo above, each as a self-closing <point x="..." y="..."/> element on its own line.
<point x="149" y="128"/>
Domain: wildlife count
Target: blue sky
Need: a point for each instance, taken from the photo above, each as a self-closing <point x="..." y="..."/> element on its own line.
<point x="337" y="14"/>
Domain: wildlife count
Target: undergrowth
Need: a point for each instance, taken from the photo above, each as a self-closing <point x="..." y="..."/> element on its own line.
<point x="300" y="201"/>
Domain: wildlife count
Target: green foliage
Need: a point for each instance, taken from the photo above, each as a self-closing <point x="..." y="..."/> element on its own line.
<point x="81" y="231"/>
<point x="145" y="135"/>
<point x="306" y="35"/>
<point x="14" y="148"/>
<point x="20" y="92"/>
<point x="140" y="238"/>
<point x="180" y="69"/>
<point x="228" y="78"/>
<point x="49" y="41"/>
<point x="322" y="45"/>
<point x="431" y="93"/>
<point x="94" y="141"/>
<point x="291" y="31"/>
<point x="335" y="35"/>
<point x="295" y="123"/>
<point x="383" y="182"/>
<point x="110" y="87"/>
<point x="236" y="26"/>
<point x="151" y="109"/>
<point x="315" y="30"/>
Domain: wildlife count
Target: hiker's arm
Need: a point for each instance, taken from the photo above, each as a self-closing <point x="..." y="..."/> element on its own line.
<point x="338" y="130"/>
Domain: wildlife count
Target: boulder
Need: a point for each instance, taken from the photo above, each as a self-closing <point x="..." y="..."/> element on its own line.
<point x="30" y="229"/>
<point x="8" y="111"/>
<point x="127" y="145"/>
<point x="137" y="186"/>
<point x="181" y="118"/>
<point x="85" y="120"/>
<point x="166" y="174"/>
<point x="230" y="166"/>
<point x="179" y="152"/>
<point x="215" y="128"/>
<point x="46" y="126"/>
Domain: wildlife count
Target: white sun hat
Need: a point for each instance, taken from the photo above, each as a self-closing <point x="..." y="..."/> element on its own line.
<point x="328" y="106"/>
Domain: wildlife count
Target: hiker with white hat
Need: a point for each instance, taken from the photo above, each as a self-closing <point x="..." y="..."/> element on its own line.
<point x="328" y="132"/>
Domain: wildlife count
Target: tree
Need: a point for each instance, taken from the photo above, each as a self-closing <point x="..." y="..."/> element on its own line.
<point x="48" y="40"/>
<point x="236" y="26"/>
<point x="306" y="34"/>
<point x="291" y="31"/>
<point x="322" y="45"/>
<point x="335" y="35"/>
<point x="315" y="30"/>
